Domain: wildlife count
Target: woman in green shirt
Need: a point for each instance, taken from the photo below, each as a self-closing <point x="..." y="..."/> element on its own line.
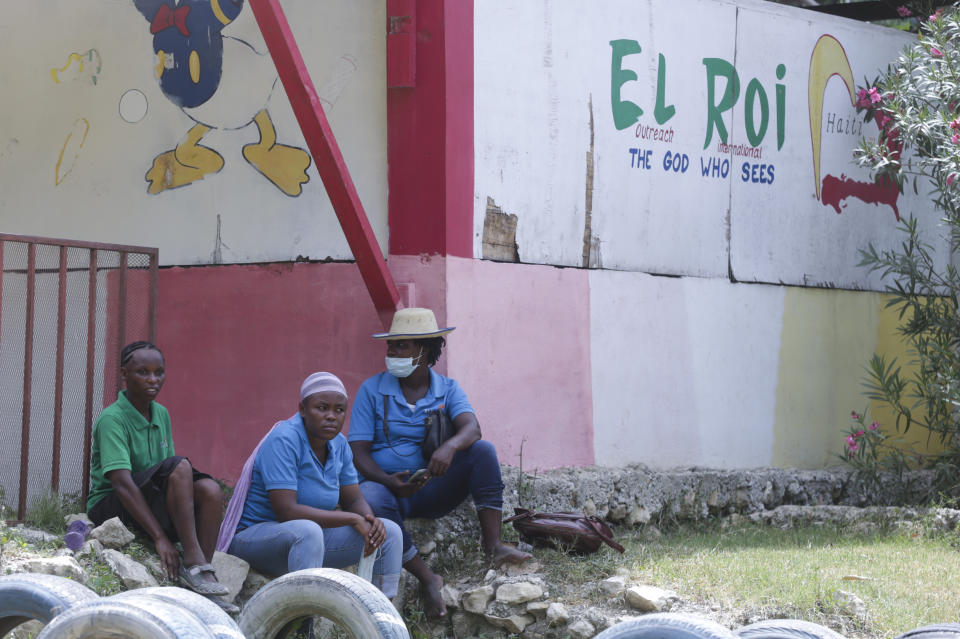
<point x="136" y="476"/>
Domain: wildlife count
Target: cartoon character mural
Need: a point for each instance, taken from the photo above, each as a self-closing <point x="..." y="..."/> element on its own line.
<point x="829" y="59"/>
<point x="219" y="82"/>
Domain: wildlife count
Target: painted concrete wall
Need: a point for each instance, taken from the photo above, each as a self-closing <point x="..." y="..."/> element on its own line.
<point x="239" y="340"/>
<point x="605" y="127"/>
<point x="87" y="128"/>
<point x="602" y="132"/>
<point x="611" y="365"/>
<point x="522" y="350"/>
<point x="729" y="375"/>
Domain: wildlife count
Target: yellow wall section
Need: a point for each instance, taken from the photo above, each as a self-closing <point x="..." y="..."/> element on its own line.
<point x="891" y="345"/>
<point x="828" y="339"/>
<point x="828" y="336"/>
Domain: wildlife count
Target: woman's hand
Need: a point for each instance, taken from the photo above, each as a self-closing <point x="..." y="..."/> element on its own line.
<point x="169" y="557"/>
<point x="400" y="487"/>
<point x="372" y="530"/>
<point x="440" y="461"/>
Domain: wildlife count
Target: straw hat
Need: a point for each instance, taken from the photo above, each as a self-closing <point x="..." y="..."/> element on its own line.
<point x="413" y="323"/>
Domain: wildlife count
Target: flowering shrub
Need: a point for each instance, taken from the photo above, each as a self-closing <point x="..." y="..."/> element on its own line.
<point x="867" y="448"/>
<point x="879" y="457"/>
<point x="915" y="107"/>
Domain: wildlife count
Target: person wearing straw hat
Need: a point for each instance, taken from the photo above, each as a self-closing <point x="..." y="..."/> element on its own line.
<point x="284" y="516"/>
<point x="386" y="433"/>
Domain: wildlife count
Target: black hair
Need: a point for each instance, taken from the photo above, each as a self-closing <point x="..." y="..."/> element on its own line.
<point x="433" y="347"/>
<point x="133" y="347"/>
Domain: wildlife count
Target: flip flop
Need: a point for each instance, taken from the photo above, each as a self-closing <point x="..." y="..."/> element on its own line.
<point x="191" y="578"/>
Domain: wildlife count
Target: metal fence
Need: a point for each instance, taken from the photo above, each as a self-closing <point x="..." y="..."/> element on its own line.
<point x="66" y="310"/>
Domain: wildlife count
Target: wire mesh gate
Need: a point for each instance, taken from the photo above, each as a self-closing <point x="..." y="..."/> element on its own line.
<point x="66" y="310"/>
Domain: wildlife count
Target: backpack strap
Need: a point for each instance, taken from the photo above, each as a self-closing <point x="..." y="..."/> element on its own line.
<point x="602" y="535"/>
<point x="386" y="429"/>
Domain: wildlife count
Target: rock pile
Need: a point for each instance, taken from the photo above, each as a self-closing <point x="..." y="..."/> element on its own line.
<point x="106" y="544"/>
<point x="523" y="600"/>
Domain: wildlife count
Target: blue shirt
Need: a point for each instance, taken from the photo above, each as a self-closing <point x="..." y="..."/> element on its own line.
<point x="287" y="462"/>
<point x="405" y="425"/>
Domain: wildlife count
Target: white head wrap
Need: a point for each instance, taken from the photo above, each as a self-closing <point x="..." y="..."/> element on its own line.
<point x="320" y="382"/>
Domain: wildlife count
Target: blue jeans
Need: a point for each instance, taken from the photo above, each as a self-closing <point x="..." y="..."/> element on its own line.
<point x="474" y="471"/>
<point x="275" y="548"/>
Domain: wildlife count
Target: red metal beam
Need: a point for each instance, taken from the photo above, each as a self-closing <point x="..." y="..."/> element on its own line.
<point x="51" y="241"/>
<point x="122" y="314"/>
<point x="27" y="380"/>
<point x="88" y="391"/>
<point x="154" y="294"/>
<point x="58" y="382"/>
<point x="327" y="156"/>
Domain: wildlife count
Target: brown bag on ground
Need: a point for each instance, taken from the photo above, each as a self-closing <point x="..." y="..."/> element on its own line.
<point x="568" y="531"/>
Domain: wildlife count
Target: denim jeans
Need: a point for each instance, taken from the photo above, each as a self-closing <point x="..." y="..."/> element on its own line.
<point x="275" y="548"/>
<point x="474" y="471"/>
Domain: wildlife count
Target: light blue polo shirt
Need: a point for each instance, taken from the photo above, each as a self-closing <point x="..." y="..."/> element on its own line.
<point x="406" y="425"/>
<point x="286" y="462"/>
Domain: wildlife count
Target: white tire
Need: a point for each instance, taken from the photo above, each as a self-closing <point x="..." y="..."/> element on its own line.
<point x="219" y="622"/>
<point x="107" y="619"/>
<point x="666" y="625"/>
<point x="786" y="629"/>
<point x="353" y="604"/>
<point x="948" y="630"/>
<point x="32" y="596"/>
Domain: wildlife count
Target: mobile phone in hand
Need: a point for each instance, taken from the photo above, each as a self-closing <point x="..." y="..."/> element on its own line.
<point x="421" y="476"/>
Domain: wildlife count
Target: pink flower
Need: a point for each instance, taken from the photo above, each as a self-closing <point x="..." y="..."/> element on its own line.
<point x="859" y="433"/>
<point x="903" y="11"/>
<point x="936" y="15"/>
<point x="935" y="52"/>
<point x="950" y="179"/>
<point x="854" y="414"/>
<point x="874" y="426"/>
<point x="955" y="125"/>
<point x="955" y="138"/>
<point x="853" y="447"/>
<point x="863" y="100"/>
<point x="875" y="95"/>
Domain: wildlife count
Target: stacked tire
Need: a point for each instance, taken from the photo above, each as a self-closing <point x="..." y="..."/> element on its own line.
<point x="73" y="611"/>
<point x="680" y="626"/>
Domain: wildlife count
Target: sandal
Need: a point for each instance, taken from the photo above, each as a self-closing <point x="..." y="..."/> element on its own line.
<point x="191" y="578"/>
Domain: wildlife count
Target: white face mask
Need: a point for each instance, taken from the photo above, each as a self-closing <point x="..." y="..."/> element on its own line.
<point x="402" y="366"/>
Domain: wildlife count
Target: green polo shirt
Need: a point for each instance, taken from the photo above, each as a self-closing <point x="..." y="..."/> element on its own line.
<point x="122" y="438"/>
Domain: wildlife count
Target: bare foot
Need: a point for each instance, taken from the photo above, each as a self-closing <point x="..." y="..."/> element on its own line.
<point x="433" y="605"/>
<point x="507" y="554"/>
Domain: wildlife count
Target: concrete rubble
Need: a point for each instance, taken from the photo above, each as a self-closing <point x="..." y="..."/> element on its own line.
<point x="520" y="600"/>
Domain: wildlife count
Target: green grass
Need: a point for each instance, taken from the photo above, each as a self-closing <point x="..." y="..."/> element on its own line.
<point x="101" y="579"/>
<point x="764" y="572"/>
<point x="48" y="510"/>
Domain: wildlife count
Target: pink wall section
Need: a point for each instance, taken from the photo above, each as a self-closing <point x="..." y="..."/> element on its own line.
<point x="522" y="353"/>
<point x="238" y="341"/>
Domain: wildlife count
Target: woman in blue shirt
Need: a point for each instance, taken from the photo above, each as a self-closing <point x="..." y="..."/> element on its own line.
<point x="389" y="456"/>
<point x="300" y="472"/>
